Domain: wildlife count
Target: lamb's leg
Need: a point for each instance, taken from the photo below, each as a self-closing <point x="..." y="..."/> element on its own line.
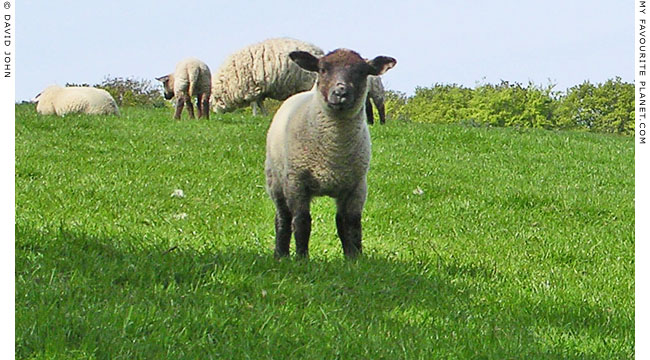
<point x="282" y="227"/>
<point x="199" y="106"/>
<point x="348" y="227"/>
<point x="369" y="115"/>
<point x="382" y="111"/>
<point x="301" y="224"/>
<point x="348" y="220"/>
<point x="190" y="107"/>
<point x="206" y="105"/>
<point x="179" y="107"/>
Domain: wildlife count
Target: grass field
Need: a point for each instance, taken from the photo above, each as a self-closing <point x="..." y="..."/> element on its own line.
<point x="479" y="243"/>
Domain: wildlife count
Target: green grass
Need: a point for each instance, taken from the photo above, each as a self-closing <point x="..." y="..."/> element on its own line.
<point x="520" y="245"/>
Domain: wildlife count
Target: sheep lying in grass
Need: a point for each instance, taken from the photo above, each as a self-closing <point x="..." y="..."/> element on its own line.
<point x="376" y="93"/>
<point x="260" y="71"/>
<point x="191" y="78"/>
<point x="75" y="99"/>
<point x="318" y="144"/>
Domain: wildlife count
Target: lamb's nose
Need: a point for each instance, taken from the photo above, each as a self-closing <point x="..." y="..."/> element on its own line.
<point x="340" y="90"/>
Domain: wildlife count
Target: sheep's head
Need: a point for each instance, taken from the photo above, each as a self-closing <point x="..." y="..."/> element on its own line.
<point x="168" y="85"/>
<point x="220" y="97"/>
<point x="220" y="105"/>
<point x="342" y="76"/>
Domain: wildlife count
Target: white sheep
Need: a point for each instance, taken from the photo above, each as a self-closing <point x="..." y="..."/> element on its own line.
<point x="376" y="93"/>
<point x="260" y="71"/>
<point x="191" y="78"/>
<point x="318" y="144"/>
<point x="75" y="99"/>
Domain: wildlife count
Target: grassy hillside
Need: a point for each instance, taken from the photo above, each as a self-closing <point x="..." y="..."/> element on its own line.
<point x="478" y="243"/>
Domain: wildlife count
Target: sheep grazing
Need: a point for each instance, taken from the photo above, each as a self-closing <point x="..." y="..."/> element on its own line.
<point x="191" y="78"/>
<point x="75" y="99"/>
<point x="376" y="93"/>
<point x="260" y="71"/>
<point x="318" y="144"/>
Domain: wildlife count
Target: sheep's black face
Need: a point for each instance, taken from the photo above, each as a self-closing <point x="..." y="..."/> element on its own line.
<point x="342" y="79"/>
<point x="342" y="76"/>
<point x="168" y="86"/>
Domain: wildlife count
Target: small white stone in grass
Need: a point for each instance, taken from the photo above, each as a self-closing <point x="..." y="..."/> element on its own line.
<point x="264" y="293"/>
<point x="180" y="216"/>
<point x="178" y="193"/>
<point x="418" y="191"/>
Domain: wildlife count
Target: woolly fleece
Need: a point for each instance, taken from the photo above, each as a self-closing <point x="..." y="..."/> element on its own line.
<point x="260" y="71"/>
<point x="66" y="100"/>
<point x="192" y="76"/>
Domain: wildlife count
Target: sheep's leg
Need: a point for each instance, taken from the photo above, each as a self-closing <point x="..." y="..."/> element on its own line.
<point x="348" y="227"/>
<point x="382" y="112"/>
<point x="301" y="224"/>
<point x="258" y="107"/>
<point x="302" y="229"/>
<point x="282" y="227"/>
<point x="199" y="106"/>
<point x="205" y="101"/>
<point x="369" y="115"/>
<point x="180" y="102"/>
<point x="203" y="106"/>
<point x="190" y="107"/>
<point x="348" y="220"/>
<point x="260" y="104"/>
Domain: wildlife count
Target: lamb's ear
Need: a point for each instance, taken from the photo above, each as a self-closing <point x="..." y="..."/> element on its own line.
<point x="162" y="79"/>
<point x="305" y="60"/>
<point x="381" y="64"/>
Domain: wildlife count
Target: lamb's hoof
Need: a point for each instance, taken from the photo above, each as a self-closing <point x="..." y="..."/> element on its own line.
<point x="280" y="255"/>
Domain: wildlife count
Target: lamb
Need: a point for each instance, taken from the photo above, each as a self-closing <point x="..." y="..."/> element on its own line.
<point x="318" y="144"/>
<point x="191" y="78"/>
<point x="75" y="99"/>
<point x="260" y="71"/>
<point x="376" y="93"/>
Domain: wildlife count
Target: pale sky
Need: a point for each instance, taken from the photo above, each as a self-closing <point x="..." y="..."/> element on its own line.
<point x="464" y="42"/>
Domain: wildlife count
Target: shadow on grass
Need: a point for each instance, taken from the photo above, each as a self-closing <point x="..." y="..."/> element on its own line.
<point x="83" y="295"/>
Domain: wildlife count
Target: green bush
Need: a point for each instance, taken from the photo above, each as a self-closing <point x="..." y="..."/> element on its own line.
<point x="394" y="104"/>
<point x="439" y="104"/>
<point x="511" y="104"/>
<point x="132" y="92"/>
<point x="607" y="107"/>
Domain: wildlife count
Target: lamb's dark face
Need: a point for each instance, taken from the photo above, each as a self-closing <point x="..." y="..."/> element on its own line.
<point x="342" y="79"/>
<point x="168" y="86"/>
<point x="342" y="76"/>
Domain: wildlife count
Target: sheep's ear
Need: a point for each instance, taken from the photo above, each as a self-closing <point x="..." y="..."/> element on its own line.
<point x="162" y="79"/>
<point x="305" y="60"/>
<point x="381" y="64"/>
